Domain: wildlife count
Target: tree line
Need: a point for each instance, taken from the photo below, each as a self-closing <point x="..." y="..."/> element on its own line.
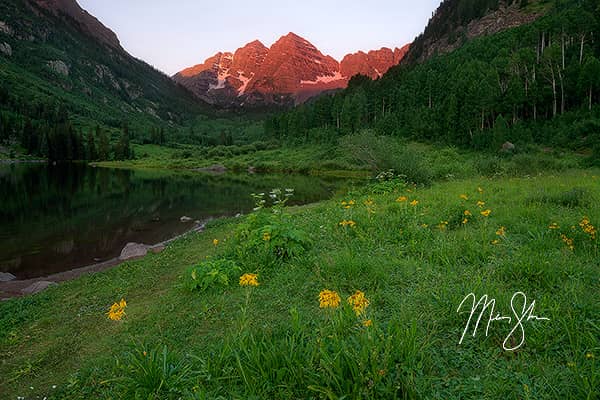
<point x="56" y="139"/>
<point x="475" y="96"/>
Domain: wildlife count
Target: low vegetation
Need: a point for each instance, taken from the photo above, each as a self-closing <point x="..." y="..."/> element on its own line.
<point x="355" y="297"/>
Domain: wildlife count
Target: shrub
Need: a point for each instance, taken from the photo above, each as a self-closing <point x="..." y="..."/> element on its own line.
<point x="381" y="153"/>
<point x="210" y="274"/>
<point x="271" y="230"/>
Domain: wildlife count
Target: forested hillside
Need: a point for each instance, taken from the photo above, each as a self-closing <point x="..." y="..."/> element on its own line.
<point x="537" y="83"/>
<point x="58" y="75"/>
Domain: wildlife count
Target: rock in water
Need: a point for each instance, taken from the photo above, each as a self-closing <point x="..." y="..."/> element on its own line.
<point x="185" y="219"/>
<point x="38" y="287"/>
<point x="6" y="277"/>
<point x="133" y="250"/>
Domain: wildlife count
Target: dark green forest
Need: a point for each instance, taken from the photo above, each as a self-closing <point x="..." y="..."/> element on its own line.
<point x="539" y="83"/>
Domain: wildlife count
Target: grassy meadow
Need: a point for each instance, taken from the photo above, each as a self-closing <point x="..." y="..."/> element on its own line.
<point x="356" y="298"/>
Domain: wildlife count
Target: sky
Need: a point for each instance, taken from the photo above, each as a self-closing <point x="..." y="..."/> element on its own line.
<point x="176" y="34"/>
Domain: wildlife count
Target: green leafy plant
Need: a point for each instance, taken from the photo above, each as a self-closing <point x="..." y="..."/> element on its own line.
<point x="210" y="274"/>
<point x="271" y="230"/>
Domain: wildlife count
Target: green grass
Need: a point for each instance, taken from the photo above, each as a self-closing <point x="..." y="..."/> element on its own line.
<point x="273" y="341"/>
<point x="422" y="162"/>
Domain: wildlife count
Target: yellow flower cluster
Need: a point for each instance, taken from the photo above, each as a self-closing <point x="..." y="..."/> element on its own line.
<point x="359" y="302"/>
<point x="369" y="203"/>
<point x="117" y="310"/>
<point x="588" y="228"/>
<point x="349" y="223"/>
<point x="329" y="299"/>
<point x="568" y="242"/>
<point x="266" y="236"/>
<point x="348" y="204"/>
<point x="443" y="225"/>
<point x="480" y="203"/>
<point x="501" y="231"/>
<point x="486" y="213"/>
<point x="249" y="280"/>
<point x="554" y="226"/>
<point x="414" y="203"/>
<point x="216" y="242"/>
<point x="464" y="197"/>
<point x="467" y="214"/>
<point x="402" y="199"/>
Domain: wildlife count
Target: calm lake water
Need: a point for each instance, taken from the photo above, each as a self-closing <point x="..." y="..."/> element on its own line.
<point x="55" y="218"/>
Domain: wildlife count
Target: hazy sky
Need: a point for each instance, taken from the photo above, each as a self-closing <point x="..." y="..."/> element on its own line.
<point x="175" y="34"/>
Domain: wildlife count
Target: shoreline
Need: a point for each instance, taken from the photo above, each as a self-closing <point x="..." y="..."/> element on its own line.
<point x="9" y="161"/>
<point x="13" y="289"/>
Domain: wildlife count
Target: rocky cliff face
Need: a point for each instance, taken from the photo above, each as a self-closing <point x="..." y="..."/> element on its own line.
<point x="447" y="30"/>
<point x="87" y="22"/>
<point x="291" y="71"/>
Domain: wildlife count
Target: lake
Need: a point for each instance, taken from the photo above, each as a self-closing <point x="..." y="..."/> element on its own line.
<point x="58" y="217"/>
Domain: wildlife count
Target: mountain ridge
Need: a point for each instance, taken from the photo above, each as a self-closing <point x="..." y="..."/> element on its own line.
<point x="291" y="71"/>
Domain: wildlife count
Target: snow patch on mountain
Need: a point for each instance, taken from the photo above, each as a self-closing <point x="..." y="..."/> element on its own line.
<point x="325" y="79"/>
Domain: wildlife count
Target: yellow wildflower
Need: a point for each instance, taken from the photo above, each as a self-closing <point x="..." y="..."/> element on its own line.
<point x="249" y="280"/>
<point x="443" y="225"/>
<point x="480" y="203"/>
<point x="329" y="299"/>
<point x="495" y="242"/>
<point x="414" y="203"/>
<point x="347" y="204"/>
<point x="588" y="228"/>
<point x="367" y="323"/>
<point x="554" y="226"/>
<point x="480" y="190"/>
<point x="568" y="242"/>
<point x="464" y="197"/>
<point x="349" y="223"/>
<point x="216" y="242"/>
<point x="266" y="236"/>
<point x="117" y="310"/>
<point x="501" y="231"/>
<point x="359" y="302"/>
<point x="424" y="226"/>
<point x="369" y="203"/>
<point x="402" y="199"/>
<point x="465" y="221"/>
<point x="467" y="213"/>
<point x="589" y="356"/>
<point x="486" y="213"/>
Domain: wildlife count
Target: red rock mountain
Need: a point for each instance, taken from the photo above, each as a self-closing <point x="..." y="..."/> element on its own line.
<point x="291" y="71"/>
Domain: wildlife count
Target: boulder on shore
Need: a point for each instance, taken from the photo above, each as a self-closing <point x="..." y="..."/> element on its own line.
<point x="133" y="250"/>
<point x="7" y="277"/>
<point x="38" y="287"/>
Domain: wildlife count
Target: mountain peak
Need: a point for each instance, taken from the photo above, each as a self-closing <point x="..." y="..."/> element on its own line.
<point x="291" y="70"/>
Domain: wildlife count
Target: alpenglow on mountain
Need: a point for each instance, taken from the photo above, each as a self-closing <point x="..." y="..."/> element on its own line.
<point x="290" y="72"/>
